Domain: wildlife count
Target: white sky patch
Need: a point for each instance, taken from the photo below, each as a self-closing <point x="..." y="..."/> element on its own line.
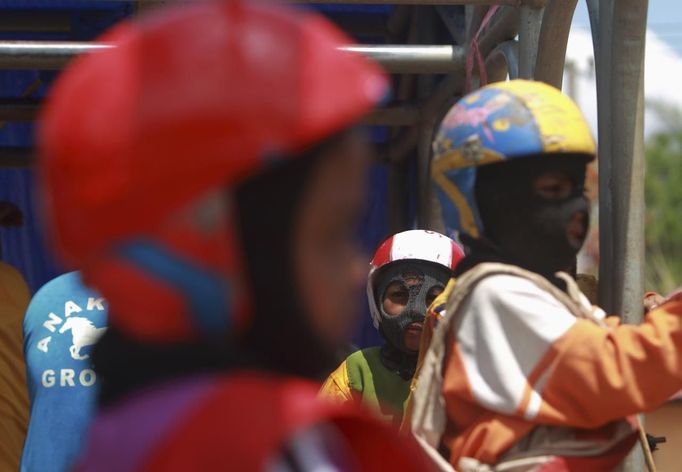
<point x="662" y="75"/>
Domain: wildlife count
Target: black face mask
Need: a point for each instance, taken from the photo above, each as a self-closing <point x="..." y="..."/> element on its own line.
<point x="528" y="230"/>
<point x="280" y="337"/>
<point x="418" y="279"/>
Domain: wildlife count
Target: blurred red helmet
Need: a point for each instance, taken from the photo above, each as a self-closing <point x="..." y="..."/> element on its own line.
<point x="416" y="244"/>
<point x="138" y="141"/>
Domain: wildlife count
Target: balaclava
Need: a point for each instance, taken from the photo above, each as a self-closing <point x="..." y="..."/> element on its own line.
<point x="280" y="337"/>
<point x="419" y="278"/>
<point x="526" y="229"/>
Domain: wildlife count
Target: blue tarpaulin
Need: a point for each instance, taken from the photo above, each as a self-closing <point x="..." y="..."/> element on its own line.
<point x="25" y="248"/>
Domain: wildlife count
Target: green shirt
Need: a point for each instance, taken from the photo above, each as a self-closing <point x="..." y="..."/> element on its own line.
<point x="363" y="377"/>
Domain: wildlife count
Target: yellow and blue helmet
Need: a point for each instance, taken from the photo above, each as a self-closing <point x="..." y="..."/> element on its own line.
<point x="499" y="122"/>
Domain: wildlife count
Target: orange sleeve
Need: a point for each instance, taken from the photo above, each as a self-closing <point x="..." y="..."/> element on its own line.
<point x="596" y="375"/>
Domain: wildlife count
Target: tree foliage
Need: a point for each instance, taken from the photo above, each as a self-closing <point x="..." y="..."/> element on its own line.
<point x="663" y="192"/>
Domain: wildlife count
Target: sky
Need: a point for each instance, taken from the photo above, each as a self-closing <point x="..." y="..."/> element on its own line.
<point x="664" y="19"/>
<point x="663" y="61"/>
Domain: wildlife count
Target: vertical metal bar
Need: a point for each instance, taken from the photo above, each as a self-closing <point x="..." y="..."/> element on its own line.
<point x="424" y="199"/>
<point x="620" y="90"/>
<point x="426" y="16"/>
<point x="556" y="25"/>
<point x="398" y="195"/>
<point x="530" y="22"/>
<point x="398" y="177"/>
<point x="433" y="110"/>
<point x="601" y="20"/>
<point x="453" y="22"/>
<point x="622" y="150"/>
<point x="503" y="61"/>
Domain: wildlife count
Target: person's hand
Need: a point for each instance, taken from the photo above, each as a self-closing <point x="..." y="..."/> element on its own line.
<point x="651" y="300"/>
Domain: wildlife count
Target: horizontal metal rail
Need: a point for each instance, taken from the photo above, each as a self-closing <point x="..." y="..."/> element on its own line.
<point x="394" y="116"/>
<point x="429" y="59"/>
<point x="408" y="59"/>
<point x="35" y="22"/>
<point x="14" y="156"/>
<point x="26" y="109"/>
<point x="18" y="109"/>
<point x="46" y="55"/>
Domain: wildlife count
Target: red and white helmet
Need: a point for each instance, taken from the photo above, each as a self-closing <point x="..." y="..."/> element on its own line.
<point x="415" y="245"/>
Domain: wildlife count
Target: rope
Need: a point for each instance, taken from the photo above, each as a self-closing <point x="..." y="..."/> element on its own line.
<point x="475" y="53"/>
<point x="648" y="457"/>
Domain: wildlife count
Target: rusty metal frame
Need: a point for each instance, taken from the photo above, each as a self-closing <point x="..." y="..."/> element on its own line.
<point x="618" y="29"/>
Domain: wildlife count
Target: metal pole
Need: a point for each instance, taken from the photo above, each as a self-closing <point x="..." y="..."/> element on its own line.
<point x="425" y="18"/>
<point x="424" y="200"/>
<point x="619" y="53"/>
<point x="622" y="150"/>
<point x="18" y="109"/>
<point x="556" y="25"/>
<point x="49" y="55"/>
<point x="26" y="109"/>
<point x="12" y="156"/>
<point x="427" y="59"/>
<point x="601" y="38"/>
<point x="504" y="27"/>
<point x="503" y="60"/>
<point x="530" y="22"/>
<point x="454" y="22"/>
<point x="394" y="116"/>
<point x="34" y="22"/>
<point x="420" y="59"/>
<point x="403" y="25"/>
<point x="398" y="196"/>
<point x="433" y="110"/>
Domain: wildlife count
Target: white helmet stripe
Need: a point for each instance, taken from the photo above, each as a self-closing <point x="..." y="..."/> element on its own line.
<point x="412" y="245"/>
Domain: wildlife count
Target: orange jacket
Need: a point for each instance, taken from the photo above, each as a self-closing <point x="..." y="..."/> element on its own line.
<point x="516" y="358"/>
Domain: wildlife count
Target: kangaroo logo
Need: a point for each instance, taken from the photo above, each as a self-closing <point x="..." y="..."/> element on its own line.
<point x="83" y="332"/>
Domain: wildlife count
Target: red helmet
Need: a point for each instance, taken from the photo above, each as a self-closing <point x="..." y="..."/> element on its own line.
<point x="190" y="100"/>
<point x="416" y="244"/>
